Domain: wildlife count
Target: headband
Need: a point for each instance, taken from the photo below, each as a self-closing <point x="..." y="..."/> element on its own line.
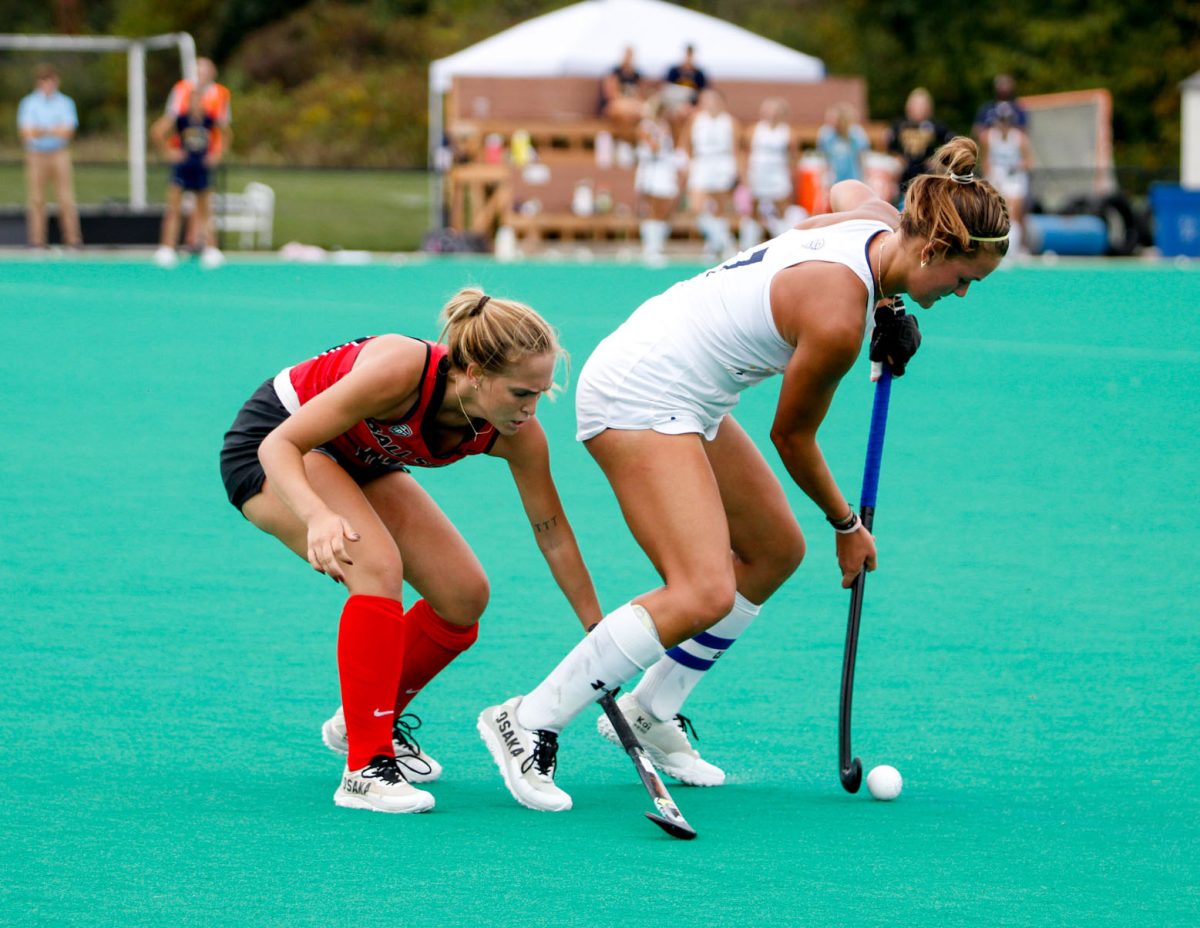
<point x="989" y="238"/>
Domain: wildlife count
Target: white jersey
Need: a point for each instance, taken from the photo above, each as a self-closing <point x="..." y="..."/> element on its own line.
<point x="713" y="167"/>
<point x="1004" y="162"/>
<point x="768" y="170"/>
<point x="657" y="172"/>
<point x="680" y="361"/>
<point x="712" y="136"/>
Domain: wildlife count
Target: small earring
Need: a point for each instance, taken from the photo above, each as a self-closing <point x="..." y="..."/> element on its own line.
<point x="475" y="384"/>
<point x="924" y="262"/>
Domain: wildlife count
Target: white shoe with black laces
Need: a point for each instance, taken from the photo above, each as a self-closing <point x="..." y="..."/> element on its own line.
<point x="380" y="787"/>
<point x="418" y="766"/>
<point x="665" y="742"/>
<point x="526" y="758"/>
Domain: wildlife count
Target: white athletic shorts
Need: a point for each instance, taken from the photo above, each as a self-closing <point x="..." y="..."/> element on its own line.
<point x="713" y="174"/>
<point x="770" y="183"/>
<point x="636" y="379"/>
<point x="657" y="178"/>
<point x="1012" y="185"/>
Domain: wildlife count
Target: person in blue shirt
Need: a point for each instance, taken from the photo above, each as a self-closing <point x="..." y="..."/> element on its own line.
<point x="47" y="122"/>
<point x="842" y="142"/>
<point x="1005" y="89"/>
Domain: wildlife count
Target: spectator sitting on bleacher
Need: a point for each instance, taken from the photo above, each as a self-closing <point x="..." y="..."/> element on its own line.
<point x="621" y="99"/>
<point x="917" y="136"/>
<point x="681" y="90"/>
<point x="769" y="169"/>
<point x="657" y="178"/>
<point x="842" y="141"/>
<point x="713" y="171"/>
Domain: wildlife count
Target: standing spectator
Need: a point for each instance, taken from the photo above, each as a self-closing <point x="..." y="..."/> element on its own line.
<point x="1005" y="89"/>
<point x="193" y="134"/>
<point x="917" y="136"/>
<point x="713" y="171"/>
<point x="769" y="169"/>
<point x="656" y="180"/>
<point x="681" y="93"/>
<point x="47" y="122"/>
<point x="621" y="99"/>
<point x="842" y="141"/>
<point x="1007" y="160"/>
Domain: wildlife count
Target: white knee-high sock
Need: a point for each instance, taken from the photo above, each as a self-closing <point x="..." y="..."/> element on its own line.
<point x="621" y="645"/>
<point x="666" y="686"/>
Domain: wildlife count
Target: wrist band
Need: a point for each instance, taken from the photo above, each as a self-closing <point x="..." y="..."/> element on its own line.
<point x="846" y="526"/>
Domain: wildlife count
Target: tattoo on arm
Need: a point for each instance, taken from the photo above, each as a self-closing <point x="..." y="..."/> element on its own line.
<point x="539" y="527"/>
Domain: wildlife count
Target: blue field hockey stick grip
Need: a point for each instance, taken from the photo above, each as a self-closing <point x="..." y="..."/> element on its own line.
<point x="879" y="413"/>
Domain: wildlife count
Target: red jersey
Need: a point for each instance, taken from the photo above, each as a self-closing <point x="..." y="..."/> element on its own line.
<point x="403" y="440"/>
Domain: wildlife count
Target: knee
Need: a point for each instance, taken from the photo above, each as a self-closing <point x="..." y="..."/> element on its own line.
<point x="788" y="554"/>
<point x="709" y="598"/>
<point x="469" y="601"/>
<point x="376" y="575"/>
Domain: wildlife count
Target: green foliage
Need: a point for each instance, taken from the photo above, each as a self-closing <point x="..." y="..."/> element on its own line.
<point x="348" y="76"/>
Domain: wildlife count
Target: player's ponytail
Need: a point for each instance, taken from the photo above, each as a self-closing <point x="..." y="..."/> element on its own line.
<point x="493" y="332"/>
<point x="955" y="210"/>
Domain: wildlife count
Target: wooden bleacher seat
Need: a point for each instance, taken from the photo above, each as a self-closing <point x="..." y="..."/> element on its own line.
<point x="561" y="117"/>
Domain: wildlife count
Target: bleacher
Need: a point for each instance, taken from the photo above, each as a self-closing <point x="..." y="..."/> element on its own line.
<point x="561" y="120"/>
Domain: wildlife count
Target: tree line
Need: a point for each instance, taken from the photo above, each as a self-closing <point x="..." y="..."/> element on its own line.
<point x="343" y="82"/>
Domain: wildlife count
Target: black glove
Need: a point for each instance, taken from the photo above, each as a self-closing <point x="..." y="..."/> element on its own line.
<point x="896" y="336"/>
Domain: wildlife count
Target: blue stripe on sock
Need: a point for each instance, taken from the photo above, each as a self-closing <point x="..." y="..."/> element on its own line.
<point x="681" y="656"/>
<point x="712" y="641"/>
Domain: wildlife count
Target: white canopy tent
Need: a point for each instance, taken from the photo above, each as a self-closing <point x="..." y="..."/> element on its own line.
<point x="588" y="39"/>
<point x="135" y="50"/>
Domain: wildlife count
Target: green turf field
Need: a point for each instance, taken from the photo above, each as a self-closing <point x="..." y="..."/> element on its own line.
<point x="1028" y="659"/>
<point x="371" y="210"/>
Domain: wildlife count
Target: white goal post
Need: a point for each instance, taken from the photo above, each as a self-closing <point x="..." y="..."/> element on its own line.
<point x="135" y="50"/>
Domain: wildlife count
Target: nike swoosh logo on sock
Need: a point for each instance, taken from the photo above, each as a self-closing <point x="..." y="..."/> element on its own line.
<point x="380" y="715"/>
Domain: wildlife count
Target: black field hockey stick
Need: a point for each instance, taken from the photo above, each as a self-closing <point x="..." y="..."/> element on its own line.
<point x="669" y="818"/>
<point x="850" y="770"/>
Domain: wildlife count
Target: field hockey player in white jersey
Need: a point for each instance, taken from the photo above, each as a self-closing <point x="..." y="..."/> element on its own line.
<point x="654" y="406"/>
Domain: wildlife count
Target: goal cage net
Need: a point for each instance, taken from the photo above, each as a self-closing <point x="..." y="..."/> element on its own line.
<point x="134" y="50"/>
<point x="1071" y="137"/>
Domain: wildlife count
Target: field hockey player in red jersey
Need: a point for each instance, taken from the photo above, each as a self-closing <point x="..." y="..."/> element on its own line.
<point x="654" y="405"/>
<point x="320" y="457"/>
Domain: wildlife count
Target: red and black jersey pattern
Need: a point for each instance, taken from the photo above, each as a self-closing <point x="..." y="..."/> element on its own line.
<point x="402" y="440"/>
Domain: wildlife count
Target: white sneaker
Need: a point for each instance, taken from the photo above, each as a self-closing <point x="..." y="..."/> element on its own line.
<point x="211" y="258"/>
<point x="380" y="787"/>
<point x="665" y="743"/>
<point x="165" y="257"/>
<point x="526" y="758"/>
<point x="417" y="766"/>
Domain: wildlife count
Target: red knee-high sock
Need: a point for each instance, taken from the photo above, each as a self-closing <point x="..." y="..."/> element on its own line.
<point x="370" y="653"/>
<point x="430" y="643"/>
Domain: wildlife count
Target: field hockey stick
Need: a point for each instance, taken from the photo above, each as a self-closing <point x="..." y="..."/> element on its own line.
<point x="669" y="819"/>
<point x="851" y="770"/>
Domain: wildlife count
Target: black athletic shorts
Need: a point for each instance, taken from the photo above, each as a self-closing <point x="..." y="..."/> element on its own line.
<point x="241" y="471"/>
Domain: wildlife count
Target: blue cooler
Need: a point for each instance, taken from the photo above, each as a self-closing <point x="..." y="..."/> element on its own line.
<point x="1176" y="220"/>
<point x="1066" y="235"/>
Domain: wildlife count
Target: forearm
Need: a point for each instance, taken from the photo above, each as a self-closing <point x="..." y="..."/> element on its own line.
<point x="565" y="561"/>
<point x="283" y="464"/>
<point x="806" y="465"/>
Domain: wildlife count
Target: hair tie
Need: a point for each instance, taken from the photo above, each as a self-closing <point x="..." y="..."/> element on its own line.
<point x="968" y="178"/>
<point x="479" y="306"/>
